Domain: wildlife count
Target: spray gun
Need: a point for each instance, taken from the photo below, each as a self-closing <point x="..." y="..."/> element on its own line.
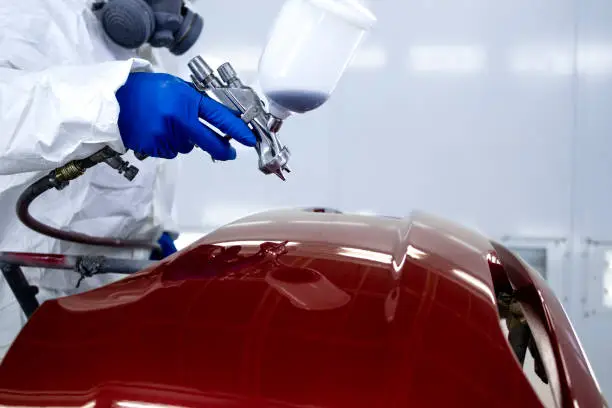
<point x="231" y="92"/>
<point x="295" y="76"/>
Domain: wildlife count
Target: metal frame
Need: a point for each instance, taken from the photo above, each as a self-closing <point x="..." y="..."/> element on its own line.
<point x="23" y="291"/>
<point x="11" y="264"/>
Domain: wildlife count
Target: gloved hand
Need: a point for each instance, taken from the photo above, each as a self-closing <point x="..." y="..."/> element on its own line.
<point x="166" y="247"/>
<point x="159" y="117"/>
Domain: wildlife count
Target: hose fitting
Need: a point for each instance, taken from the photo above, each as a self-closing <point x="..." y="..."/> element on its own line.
<point x="69" y="171"/>
<point x="59" y="179"/>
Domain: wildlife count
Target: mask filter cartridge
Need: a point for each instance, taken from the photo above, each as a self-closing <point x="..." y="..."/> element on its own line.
<point x="161" y="23"/>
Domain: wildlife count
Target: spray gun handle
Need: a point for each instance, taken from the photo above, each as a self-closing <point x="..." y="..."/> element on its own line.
<point x="203" y="77"/>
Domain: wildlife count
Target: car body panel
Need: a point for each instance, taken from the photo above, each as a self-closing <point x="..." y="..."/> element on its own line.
<point x="293" y="309"/>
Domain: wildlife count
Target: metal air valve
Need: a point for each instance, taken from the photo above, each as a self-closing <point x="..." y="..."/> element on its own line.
<point x="231" y="92"/>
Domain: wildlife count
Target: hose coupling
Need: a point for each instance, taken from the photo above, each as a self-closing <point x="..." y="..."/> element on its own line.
<point x="68" y="172"/>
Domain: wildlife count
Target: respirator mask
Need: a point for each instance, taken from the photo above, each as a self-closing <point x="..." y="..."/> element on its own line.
<point x="161" y="23"/>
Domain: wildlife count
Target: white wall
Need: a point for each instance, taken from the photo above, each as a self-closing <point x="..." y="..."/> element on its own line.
<point x="592" y="172"/>
<point x="493" y="113"/>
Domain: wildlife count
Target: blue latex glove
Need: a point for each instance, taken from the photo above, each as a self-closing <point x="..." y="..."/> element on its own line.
<point x="166" y="243"/>
<point x="159" y="117"/>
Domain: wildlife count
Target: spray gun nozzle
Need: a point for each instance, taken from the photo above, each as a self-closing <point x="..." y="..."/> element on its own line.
<point x="280" y="175"/>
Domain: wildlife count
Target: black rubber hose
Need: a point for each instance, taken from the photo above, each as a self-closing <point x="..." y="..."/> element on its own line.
<point x="46" y="183"/>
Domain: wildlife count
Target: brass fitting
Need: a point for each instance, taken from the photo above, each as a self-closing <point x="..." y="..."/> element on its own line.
<point x="68" y="172"/>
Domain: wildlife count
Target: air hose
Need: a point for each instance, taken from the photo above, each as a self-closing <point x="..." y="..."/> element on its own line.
<point x="59" y="179"/>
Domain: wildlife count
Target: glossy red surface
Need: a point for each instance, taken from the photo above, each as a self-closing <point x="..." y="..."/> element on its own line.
<point x="295" y="309"/>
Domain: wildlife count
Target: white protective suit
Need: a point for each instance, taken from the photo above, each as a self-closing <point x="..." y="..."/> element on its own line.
<point x="58" y="77"/>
